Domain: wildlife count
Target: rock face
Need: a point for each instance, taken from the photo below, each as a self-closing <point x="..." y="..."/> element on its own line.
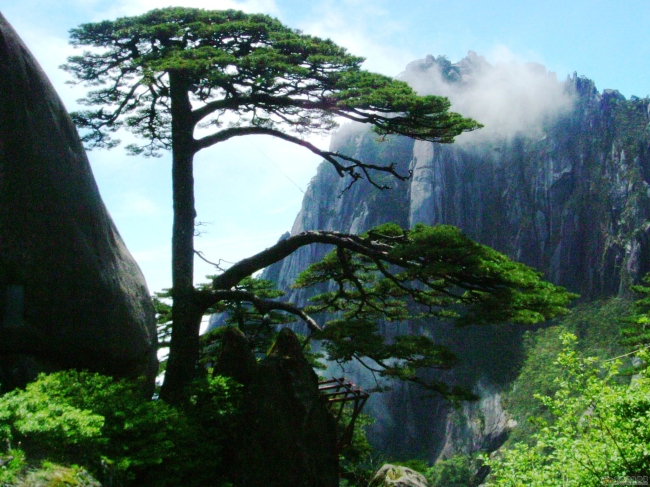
<point x="287" y="435"/>
<point x="71" y="295"/>
<point x="559" y="179"/>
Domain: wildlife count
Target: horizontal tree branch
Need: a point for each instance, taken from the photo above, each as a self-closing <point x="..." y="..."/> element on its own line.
<point x="284" y="248"/>
<point x="263" y="100"/>
<point x="331" y="157"/>
<point x="209" y="298"/>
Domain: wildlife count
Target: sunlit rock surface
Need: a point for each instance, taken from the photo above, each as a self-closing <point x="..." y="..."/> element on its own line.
<point x="71" y="294"/>
<point x="397" y="476"/>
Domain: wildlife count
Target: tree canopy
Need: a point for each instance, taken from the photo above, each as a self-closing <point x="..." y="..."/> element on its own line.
<point x="244" y="74"/>
<point x="389" y="275"/>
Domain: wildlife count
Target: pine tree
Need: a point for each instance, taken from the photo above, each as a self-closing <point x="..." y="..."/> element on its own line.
<point x="163" y="74"/>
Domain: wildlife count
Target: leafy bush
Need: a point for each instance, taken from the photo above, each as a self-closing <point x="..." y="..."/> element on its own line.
<point x="14" y="463"/>
<point x="122" y="437"/>
<point x="597" y="326"/>
<point x="457" y="471"/>
<point x="599" y="429"/>
<point x="420" y="466"/>
<point x="359" y="461"/>
<point x="82" y="417"/>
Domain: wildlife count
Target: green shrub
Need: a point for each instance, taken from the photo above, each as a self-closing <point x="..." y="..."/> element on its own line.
<point x="597" y="326"/>
<point x="598" y="431"/>
<point x="358" y="462"/>
<point x="119" y="435"/>
<point x="14" y="463"/>
<point x="457" y="471"/>
<point x="420" y="466"/>
<point x="200" y="452"/>
<point x="91" y="419"/>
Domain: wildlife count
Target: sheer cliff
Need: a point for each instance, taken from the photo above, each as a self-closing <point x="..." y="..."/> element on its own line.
<point x="558" y="179"/>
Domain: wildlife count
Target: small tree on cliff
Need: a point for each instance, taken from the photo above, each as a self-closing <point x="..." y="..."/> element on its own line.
<point x="162" y="74"/>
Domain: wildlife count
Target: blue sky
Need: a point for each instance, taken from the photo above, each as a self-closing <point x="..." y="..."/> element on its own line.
<point x="248" y="190"/>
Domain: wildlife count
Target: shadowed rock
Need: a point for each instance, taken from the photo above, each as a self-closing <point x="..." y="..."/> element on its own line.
<point x="71" y="295"/>
<point x="287" y="436"/>
<point x="235" y="358"/>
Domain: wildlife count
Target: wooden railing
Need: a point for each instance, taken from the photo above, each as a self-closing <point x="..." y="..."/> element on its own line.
<point x="337" y="393"/>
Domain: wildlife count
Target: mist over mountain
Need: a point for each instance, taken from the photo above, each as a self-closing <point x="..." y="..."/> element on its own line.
<point x="508" y="98"/>
<point x="558" y="179"/>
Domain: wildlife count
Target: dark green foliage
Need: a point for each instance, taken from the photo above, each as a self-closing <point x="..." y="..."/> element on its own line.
<point x="637" y="332"/>
<point x="441" y="268"/>
<point x="428" y="271"/>
<point x="163" y="317"/>
<point x="419" y="466"/>
<point x="122" y="437"/>
<point x="260" y="328"/>
<point x="212" y="416"/>
<point x="630" y="121"/>
<point x="267" y="74"/>
<point x="358" y="462"/>
<point x="457" y="471"/>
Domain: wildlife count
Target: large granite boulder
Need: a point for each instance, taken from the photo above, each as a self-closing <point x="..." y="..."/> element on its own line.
<point x="71" y="295"/>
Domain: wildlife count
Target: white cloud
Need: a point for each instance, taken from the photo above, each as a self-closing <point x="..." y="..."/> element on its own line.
<point x="508" y="97"/>
<point x="362" y="27"/>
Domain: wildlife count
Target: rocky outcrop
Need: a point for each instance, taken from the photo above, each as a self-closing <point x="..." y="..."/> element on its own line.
<point x="287" y="436"/>
<point x="397" y="476"/>
<point x="558" y="179"/>
<point x="483" y="425"/>
<point x="71" y="295"/>
<point x="54" y="474"/>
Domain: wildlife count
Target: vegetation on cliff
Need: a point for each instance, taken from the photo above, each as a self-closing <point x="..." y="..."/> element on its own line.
<point x="597" y="431"/>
